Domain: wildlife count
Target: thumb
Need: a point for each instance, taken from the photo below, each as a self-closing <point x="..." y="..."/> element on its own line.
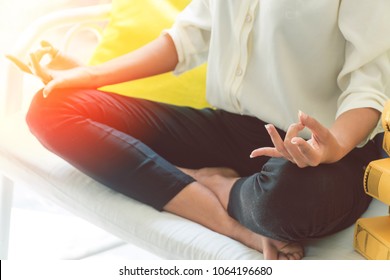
<point x="50" y="86"/>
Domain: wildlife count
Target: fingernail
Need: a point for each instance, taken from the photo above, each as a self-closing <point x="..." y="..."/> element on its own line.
<point x="301" y="114"/>
<point x="267" y="127"/>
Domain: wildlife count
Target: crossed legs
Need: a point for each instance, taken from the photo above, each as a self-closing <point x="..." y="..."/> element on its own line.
<point x="134" y="146"/>
<point x="205" y="202"/>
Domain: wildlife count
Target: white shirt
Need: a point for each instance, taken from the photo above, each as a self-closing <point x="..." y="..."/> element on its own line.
<point x="271" y="58"/>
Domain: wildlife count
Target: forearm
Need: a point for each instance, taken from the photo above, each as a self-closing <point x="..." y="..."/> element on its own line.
<point x="157" y="57"/>
<point x="353" y="127"/>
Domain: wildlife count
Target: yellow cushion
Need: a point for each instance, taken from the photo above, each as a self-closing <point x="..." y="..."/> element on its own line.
<point x="134" y="23"/>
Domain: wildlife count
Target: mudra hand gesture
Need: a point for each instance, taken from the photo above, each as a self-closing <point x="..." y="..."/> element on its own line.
<point x="322" y="147"/>
<point x="60" y="71"/>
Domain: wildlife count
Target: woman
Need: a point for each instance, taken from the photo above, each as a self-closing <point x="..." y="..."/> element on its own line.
<point x="267" y="60"/>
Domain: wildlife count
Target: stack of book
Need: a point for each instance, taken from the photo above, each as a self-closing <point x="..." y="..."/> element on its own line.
<point x="372" y="235"/>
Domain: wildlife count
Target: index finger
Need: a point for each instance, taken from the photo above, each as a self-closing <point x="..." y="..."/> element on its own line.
<point x="39" y="54"/>
<point x="38" y="70"/>
<point x="278" y="141"/>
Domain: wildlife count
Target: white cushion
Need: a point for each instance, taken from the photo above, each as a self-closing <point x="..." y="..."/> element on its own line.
<point x="23" y="158"/>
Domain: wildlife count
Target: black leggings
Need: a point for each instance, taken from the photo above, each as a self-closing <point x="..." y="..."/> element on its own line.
<point x="133" y="146"/>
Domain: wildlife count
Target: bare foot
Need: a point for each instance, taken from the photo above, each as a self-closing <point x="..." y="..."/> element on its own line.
<point x="274" y="249"/>
<point x="203" y="173"/>
<point x="219" y="180"/>
<point x="291" y="251"/>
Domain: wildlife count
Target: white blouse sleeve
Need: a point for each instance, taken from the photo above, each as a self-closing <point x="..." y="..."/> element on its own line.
<point x="191" y="35"/>
<point x="365" y="77"/>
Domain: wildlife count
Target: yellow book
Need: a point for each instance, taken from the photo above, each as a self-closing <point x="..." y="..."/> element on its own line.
<point x="386" y="141"/>
<point x="377" y="180"/>
<point x="385" y="118"/>
<point x="386" y="127"/>
<point x="372" y="238"/>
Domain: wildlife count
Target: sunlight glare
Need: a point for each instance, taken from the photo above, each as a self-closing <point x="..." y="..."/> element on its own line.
<point x="16" y="15"/>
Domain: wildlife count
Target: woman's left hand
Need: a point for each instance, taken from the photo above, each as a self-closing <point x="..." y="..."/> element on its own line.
<point x="322" y="147"/>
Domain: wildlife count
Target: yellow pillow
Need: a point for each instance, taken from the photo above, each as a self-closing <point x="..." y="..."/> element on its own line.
<point x="134" y="23"/>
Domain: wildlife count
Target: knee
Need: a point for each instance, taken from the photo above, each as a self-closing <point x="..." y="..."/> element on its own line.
<point x="35" y="113"/>
<point x="294" y="202"/>
<point x="40" y="115"/>
<point x="46" y="114"/>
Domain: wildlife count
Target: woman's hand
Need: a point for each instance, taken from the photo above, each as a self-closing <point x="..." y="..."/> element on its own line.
<point x="157" y="57"/>
<point x="322" y="147"/>
<point x="58" y="60"/>
<point x="61" y="71"/>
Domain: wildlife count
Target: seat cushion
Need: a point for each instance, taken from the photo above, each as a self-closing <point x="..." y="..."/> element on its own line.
<point x="134" y="23"/>
<point x="23" y="158"/>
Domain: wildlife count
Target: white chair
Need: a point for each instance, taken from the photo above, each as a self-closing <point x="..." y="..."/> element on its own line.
<point x="23" y="159"/>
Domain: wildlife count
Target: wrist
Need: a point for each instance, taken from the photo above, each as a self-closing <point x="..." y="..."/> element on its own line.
<point x="337" y="149"/>
<point x="94" y="76"/>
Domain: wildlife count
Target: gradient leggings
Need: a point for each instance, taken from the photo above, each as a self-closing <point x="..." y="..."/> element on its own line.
<point x="133" y="146"/>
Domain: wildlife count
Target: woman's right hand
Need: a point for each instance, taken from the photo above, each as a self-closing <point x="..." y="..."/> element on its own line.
<point x="56" y="70"/>
<point x="62" y="71"/>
